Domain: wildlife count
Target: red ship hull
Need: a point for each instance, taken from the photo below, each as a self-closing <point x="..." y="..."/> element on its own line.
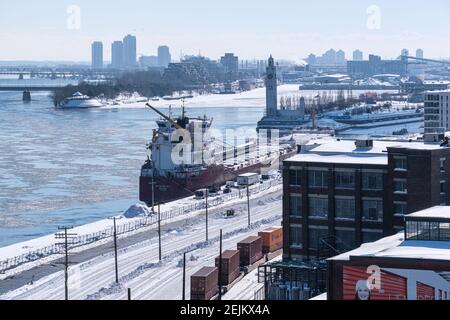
<point x="171" y="189"/>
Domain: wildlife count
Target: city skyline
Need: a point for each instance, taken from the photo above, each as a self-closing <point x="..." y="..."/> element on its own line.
<point x="257" y="29"/>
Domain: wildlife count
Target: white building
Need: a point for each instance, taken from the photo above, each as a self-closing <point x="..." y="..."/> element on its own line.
<point x="437" y="118"/>
<point x="97" y="55"/>
<point x="419" y="53"/>
<point x="358" y="55"/>
<point x="149" y="61"/>
<point x="129" y="52"/>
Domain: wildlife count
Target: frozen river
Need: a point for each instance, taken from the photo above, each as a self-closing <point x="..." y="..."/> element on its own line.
<point x="60" y="167"/>
<point x="72" y="167"/>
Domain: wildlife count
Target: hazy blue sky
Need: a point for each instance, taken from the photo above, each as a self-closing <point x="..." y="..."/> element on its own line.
<point x="37" y="30"/>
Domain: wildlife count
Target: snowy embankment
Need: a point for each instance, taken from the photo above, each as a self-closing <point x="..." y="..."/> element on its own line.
<point x="130" y="223"/>
<point x="252" y="98"/>
<point x="139" y="268"/>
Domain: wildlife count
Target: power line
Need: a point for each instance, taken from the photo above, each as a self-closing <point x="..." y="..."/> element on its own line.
<point x="66" y="237"/>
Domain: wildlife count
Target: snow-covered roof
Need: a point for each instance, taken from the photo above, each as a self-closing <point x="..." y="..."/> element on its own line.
<point x="340" y="158"/>
<point x="396" y="247"/>
<point x="439" y="212"/>
<point x="438" y="91"/>
<point x="345" y="151"/>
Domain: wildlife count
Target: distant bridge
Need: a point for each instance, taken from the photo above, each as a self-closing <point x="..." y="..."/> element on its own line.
<point x="27" y="88"/>
<point x="31" y="88"/>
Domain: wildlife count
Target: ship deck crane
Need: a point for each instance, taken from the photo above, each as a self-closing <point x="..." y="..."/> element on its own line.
<point x="176" y="125"/>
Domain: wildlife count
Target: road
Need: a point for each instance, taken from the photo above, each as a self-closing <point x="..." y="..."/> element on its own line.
<point x="92" y="273"/>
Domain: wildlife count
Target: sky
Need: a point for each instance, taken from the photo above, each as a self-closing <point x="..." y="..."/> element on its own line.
<point x="288" y="29"/>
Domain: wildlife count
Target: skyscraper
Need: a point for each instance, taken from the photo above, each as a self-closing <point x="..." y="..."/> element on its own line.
<point x="117" y="55"/>
<point x="164" y="57"/>
<point x="129" y="52"/>
<point x="419" y="53"/>
<point x="358" y="55"/>
<point x="340" y="57"/>
<point x="97" y="55"/>
<point x="230" y="62"/>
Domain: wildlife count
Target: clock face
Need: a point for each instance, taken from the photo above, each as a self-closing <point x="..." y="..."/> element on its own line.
<point x="270" y="76"/>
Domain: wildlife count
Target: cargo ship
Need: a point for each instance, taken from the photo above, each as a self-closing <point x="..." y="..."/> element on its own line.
<point x="164" y="180"/>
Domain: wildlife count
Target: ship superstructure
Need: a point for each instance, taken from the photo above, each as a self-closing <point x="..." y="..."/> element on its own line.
<point x="185" y="158"/>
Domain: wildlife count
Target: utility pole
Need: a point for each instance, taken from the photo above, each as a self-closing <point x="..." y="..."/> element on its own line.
<point x="129" y="293"/>
<point x="153" y="190"/>
<point x="184" y="277"/>
<point x="248" y="205"/>
<point x="220" y="267"/>
<point x="66" y="236"/>
<point x="115" y="251"/>
<point x="159" y="232"/>
<point x="207" y="193"/>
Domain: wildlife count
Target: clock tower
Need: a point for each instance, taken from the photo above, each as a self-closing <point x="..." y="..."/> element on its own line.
<point x="271" y="89"/>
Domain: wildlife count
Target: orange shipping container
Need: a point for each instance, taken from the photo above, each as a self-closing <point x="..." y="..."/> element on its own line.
<point x="272" y="239"/>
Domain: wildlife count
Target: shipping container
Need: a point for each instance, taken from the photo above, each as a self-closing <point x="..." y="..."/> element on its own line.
<point x="204" y="283"/>
<point x="272" y="239"/>
<point x="250" y="250"/>
<point x="248" y="179"/>
<point x="230" y="266"/>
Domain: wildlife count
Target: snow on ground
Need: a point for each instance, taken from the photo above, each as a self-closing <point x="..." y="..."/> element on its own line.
<point x="139" y="268"/>
<point x="252" y="98"/>
<point x="39" y="243"/>
<point x="246" y="288"/>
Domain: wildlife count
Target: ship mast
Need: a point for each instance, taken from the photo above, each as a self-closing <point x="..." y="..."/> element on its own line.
<point x="164" y="116"/>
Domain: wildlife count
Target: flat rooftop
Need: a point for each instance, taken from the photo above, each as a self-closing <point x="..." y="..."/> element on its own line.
<point x="396" y="247"/>
<point x="439" y="212"/>
<point x="345" y="151"/>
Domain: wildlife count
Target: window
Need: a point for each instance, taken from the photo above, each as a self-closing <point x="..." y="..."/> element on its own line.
<point x="318" y="207"/>
<point x="371" y="235"/>
<point x="442" y="187"/>
<point x="372" y="181"/>
<point x="400" y="186"/>
<point x="373" y="210"/>
<point x="318" y="179"/>
<point x="345" y="208"/>
<point x="315" y="235"/>
<point x="345" y="239"/>
<point x="345" y="180"/>
<point x="295" y="178"/>
<point x="400" y="164"/>
<point x="296" y="205"/>
<point x="400" y="208"/>
<point x="296" y="236"/>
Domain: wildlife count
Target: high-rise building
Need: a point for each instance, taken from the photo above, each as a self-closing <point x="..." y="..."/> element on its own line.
<point x="117" y="55"/>
<point x="129" y="52"/>
<point x="97" y="55"/>
<point x="358" y="55"/>
<point x="340" y="57"/>
<point x="231" y="64"/>
<point x="437" y="118"/>
<point x="164" y="56"/>
<point x="419" y="53"/>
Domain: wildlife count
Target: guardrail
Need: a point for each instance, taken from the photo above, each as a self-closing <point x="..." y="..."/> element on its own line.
<point x="131" y="226"/>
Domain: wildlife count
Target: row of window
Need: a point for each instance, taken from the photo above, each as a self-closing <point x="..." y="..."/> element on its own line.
<point x="372" y="209"/>
<point x="344" y="238"/>
<point x="343" y="179"/>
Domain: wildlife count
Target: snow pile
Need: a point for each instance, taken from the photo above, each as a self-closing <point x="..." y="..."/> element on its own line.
<point x="137" y="210"/>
